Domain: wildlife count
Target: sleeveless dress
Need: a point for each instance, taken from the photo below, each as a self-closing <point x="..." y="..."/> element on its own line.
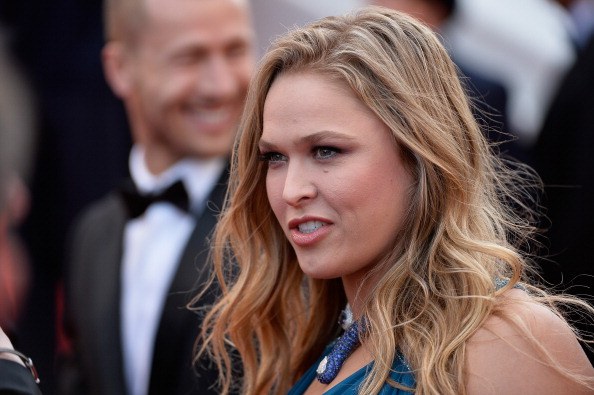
<point x="401" y="372"/>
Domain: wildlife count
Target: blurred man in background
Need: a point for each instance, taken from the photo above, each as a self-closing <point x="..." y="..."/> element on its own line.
<point x="137" y="256"/>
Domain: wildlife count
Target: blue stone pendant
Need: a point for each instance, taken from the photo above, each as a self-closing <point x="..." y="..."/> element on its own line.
<point x="345" y="345"/>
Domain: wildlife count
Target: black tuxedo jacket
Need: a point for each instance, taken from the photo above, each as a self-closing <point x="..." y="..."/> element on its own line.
<point x="564" y="161"/>
<point x="95" y="366"/>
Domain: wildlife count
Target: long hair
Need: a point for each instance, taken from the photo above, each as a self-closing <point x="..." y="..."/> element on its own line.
<point x="462" y="232"/>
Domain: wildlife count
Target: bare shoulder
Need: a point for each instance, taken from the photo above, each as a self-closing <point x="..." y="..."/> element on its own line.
<point x="503" y="356"/>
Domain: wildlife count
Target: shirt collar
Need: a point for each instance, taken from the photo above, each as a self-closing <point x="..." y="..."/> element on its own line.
<point x="198" y="175"/>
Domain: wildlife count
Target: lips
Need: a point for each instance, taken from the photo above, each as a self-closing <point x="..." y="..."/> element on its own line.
<point x="212" y="117"/>
<point x="306" y="232"/>
<point x="212" y="120"/>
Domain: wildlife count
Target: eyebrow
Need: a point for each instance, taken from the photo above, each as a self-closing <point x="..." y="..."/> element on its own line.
<point x="311" y="139"/>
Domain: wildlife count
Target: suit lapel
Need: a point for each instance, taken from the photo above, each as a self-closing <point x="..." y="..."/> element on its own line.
<point x="179" y="327"/>
<point x="111" y="280"/>
<point x="96" y="258"/>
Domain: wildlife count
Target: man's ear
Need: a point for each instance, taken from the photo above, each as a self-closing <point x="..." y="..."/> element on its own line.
<point x="117" y="68"/>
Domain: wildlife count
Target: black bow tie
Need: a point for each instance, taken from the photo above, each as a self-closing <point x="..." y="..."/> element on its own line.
<point x="137" y="203"/>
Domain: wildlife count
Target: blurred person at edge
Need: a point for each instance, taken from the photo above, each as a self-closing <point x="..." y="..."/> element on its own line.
<point x="563" y="159"/>
<point x="582" y="16"/>
<point x="17" y="127"/>
<point x="182" y="69"/>
<point x="525" y="45"/>
<point x="16" y="138"/>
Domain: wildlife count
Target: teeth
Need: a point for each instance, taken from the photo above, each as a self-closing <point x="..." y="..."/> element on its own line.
<point x="310" y="226"/>
<point x="210" y="116"/>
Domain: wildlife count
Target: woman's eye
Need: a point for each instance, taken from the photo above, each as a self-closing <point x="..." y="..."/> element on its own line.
<point x="272" y="157"/>
<point x="325" y="152"/>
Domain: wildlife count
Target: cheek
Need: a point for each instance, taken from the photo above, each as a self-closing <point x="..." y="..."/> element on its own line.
<point x="243" y="74"/>
<point x="380" y="199"/>
<point x="173" y="80"/>
<point x="396" y="198"/>
<point x="274" y="193"/>
<point x="179" y="85"/>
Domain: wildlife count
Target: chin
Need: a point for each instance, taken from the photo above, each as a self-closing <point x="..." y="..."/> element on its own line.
<point x="319" y="273"/>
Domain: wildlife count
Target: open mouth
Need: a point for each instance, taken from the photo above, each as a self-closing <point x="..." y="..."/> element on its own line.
<point x="310" y="226"/>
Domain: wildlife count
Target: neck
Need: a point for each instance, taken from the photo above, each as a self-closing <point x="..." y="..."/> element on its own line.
<point x="357" y="290"/>
<point x="157" y="162"/>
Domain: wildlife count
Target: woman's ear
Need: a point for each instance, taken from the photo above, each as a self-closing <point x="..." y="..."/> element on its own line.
<point x="116" y="68"/>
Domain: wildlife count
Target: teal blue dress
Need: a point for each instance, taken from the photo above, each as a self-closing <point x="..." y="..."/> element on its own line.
<point x="401" y="373"/>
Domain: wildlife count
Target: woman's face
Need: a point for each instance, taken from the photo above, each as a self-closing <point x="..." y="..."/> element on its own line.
<point x="335" y="180"/>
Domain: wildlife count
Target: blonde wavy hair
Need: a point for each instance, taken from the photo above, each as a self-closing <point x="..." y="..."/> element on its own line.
<point x="463" y="229"/>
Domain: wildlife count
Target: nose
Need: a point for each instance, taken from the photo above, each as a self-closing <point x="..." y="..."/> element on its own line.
<point x="218" y="79"/>
<point x="299" y="186"/>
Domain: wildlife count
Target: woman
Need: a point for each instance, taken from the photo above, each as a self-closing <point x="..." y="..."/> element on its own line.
<point x="361" y="179"/>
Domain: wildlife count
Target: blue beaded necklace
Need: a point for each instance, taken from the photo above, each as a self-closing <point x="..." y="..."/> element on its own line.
<point x="343" y="347"/>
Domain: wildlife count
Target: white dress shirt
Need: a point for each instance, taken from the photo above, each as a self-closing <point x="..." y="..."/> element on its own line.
<point x="153" y="245"/>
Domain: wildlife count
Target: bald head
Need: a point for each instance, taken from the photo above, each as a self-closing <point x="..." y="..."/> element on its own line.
<point x="125" y="19"/>
<point x="122" y="18"/>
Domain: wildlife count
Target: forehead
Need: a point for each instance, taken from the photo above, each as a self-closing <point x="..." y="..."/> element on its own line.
<point x="303" y="103"/>
<point x="312" y="91"/>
